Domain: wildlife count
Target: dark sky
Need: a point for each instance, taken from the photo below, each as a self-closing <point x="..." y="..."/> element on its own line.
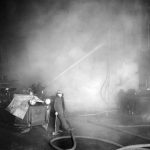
<point x="14" y="13"/>
<point x="18" y="19"/>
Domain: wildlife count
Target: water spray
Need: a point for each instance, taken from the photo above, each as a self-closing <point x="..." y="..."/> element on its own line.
<point x="79" y="61"/>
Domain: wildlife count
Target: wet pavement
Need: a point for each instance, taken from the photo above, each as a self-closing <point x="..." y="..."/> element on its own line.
<point x="113" y="127"/>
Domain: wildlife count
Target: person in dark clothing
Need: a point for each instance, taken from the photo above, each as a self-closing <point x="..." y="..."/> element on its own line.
<point x="131" y="101"/>
<point x="122" y="101"/>
<point x="59" y="106"/>
<point x="127" y="101"/>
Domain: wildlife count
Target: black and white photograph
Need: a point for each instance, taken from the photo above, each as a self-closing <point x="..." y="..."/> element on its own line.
<point x="74" y="74"/>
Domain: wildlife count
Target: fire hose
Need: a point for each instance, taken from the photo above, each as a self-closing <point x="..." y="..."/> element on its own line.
<point x="130" y="147"/>
<point x="58" y="138"/>
<point x="133" y="147"/>
<point x="136" y="147"/>
<point x="64" y="137"/>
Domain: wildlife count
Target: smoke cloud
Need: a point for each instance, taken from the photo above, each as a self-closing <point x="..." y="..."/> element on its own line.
<point x="60" y="34"/>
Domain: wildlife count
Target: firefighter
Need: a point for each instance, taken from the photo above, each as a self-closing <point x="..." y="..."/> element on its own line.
<point x="131" y="101"/>
<point x="60" y="120"/>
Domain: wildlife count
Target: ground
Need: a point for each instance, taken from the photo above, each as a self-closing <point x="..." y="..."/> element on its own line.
<point x="112" y="127"/>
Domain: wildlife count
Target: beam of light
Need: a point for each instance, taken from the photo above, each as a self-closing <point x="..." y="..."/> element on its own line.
<point x="78" y="62"/>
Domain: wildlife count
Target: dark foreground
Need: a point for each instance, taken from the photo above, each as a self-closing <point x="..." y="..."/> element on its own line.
<point x="110" y="131"/>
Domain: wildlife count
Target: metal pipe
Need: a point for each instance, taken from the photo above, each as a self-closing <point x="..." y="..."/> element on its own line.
<point x="56" y="117"/>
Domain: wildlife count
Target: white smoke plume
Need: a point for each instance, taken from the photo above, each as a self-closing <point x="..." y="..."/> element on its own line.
<point x="60" y="36"/>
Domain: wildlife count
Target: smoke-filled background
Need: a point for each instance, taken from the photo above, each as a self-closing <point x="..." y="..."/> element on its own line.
<point x="89" y="49"/>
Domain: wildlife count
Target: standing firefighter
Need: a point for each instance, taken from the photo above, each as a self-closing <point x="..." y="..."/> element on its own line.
<point x="60" y="120"/>
<point x="131" y="101"/>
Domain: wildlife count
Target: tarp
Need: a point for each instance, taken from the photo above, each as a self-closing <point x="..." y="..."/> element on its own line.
<point x="19" y="105"/>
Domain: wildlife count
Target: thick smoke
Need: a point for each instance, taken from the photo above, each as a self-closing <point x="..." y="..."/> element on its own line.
<point x="62" y="35"/>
